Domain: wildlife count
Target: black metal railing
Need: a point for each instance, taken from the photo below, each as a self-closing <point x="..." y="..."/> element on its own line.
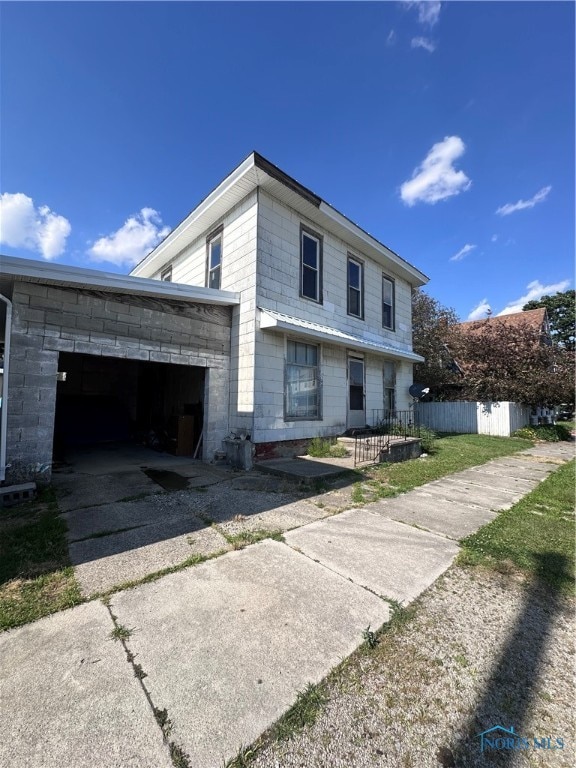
<point x="399" y="423"/>
<point x="372" y="442"/>
<point x="369" y="447"/>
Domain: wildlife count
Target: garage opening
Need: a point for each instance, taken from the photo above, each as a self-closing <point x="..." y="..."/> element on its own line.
<point x="105" y="400"/>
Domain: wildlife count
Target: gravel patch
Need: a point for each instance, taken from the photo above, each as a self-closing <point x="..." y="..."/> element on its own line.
<point x="483" y="649"/>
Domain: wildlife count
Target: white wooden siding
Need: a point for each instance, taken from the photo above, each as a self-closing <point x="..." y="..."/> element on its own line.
<point x="465" y="417"/>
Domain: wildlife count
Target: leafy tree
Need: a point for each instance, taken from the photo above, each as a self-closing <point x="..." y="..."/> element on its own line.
<point x="562" y="316"/>
<point x="431" y="322"/>
<point x="509" y="362"/>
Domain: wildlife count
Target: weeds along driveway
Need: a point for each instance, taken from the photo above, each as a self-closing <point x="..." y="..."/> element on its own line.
<point x="124" y="526"/>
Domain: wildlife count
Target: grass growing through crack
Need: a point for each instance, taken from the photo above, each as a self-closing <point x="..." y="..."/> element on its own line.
<point x="180" y="759"/>
<point x="357" y="494"/>
<point x="303" y="712"/>
<point x="36" y="576"/>
<point x="163" y="721"/>
<point x="535" y="535"/>
<point x="120" y="632"/>
<point x="244" y="538"/>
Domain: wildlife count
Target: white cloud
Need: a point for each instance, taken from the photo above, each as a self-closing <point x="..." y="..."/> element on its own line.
<point x="535" y="292"/>
<point x="506" y="210"/>
<point x="22" y="225"/>
<point x="462" y="252"/>
<point x="423" y="42"/>
<point x="428" y="10"/>
<point x="391" y="39"/>
<point x="436" y="178"/>
<point x="133" y="241"/>
<point x="480" y="311"/>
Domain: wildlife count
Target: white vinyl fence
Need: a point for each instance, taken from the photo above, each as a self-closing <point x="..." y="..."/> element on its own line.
<point x="491" y="418"/>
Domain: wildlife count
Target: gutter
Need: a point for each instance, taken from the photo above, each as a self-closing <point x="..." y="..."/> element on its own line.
<point x="4" y="414"/>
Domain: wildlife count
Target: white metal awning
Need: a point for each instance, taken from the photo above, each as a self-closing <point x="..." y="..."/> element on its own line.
<point x="277" y="321"/>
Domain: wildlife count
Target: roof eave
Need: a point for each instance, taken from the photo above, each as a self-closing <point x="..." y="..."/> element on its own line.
<point x="69" y="276"/>
<point x="270" y="323"/>
<point x="170" y="246"/>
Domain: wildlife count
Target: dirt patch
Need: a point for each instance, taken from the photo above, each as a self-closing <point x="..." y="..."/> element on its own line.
<point x="482" y="649"/>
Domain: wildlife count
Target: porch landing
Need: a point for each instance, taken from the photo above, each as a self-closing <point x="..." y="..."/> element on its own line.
<point x="308" y="468"/>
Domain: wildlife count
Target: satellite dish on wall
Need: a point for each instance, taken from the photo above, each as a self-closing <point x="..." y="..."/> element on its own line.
<point x="418" y="391"/>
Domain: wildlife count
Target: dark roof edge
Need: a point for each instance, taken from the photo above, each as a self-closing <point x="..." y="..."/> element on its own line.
<point x="307" y="194"/>
<point x="283" y="178"/>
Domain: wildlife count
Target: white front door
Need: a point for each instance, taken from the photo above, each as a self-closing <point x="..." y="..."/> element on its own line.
<point x="356" y="394"/>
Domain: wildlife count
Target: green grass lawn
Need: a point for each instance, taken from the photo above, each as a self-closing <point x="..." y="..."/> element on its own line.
<point x="451" y="453"/>
<point x="36" y="577"/>
<point x="535" y="535"/>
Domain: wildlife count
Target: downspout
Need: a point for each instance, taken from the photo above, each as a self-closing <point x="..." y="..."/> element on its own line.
<point x="4" y="414"/>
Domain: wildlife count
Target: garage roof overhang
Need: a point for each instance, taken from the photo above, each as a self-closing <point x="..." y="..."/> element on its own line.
<point x="62" y="275"/>
<point x="277" y="321"/>
<point x="257" y="172"/>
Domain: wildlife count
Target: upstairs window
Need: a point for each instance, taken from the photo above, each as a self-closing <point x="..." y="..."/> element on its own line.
<point x="387" y="303"/>
<point x="214" y="248"/>
<point x="166" y="275"/>
<point x="310" y="266"/>
<point x="355" y="288"/>
<point x="302" y="395"/>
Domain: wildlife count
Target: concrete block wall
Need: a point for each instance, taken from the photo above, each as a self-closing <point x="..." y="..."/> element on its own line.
<point x="269" y="424"/>
<point x="278" y="285"/>
<point x="48" y="320"/>
<point x="238" y="274"/>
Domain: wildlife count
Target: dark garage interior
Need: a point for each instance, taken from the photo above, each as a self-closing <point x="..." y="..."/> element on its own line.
<point x="103" y="400"/>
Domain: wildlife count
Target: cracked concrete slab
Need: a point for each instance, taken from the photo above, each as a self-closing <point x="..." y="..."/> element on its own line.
<point x="281" y="518"/>
<point x="129" y="514"/>
<point x="69" y="698"/>
<point x="523" y="470"/>
<point x="467" y="494"/>
<point x="75" y="491"/>
<point x="452" y="518"/>
<point x="108" y="561"/>
<point x="391" y="559"/>
<point x="227" y="645"/>
<point x="493" y="481"/>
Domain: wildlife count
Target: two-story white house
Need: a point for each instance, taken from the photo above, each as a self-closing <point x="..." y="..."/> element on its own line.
<point x="321" y="340"/>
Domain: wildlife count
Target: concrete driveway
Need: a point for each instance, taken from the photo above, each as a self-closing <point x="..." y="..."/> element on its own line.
<point x="135" y="512"/>
<point x="212" y="655"/>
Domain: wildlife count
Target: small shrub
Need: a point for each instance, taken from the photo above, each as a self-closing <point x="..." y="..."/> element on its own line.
<point x="427" y="438"/>
<point x="551" y="433"/>
<point x="370" y="637"/>
<point x="426" y="435"/>
<point x="325" y="449"/>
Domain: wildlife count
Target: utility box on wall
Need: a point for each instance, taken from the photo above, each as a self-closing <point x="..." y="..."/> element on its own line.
<point x="238" y="453"/>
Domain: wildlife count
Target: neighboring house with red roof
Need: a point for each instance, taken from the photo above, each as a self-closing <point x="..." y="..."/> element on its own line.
<point x="534" y="319"/>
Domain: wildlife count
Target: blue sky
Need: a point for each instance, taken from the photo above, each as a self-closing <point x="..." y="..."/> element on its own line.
<point x="444" y="129"/>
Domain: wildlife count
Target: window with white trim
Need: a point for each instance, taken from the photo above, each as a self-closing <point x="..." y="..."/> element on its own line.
<point x="310" y="266"/>
<point x="355" y="288"/>
<point x="214" y="248"/>
<point x="166" y="275"/>
<point x="389" y="387"/>
<point x="387" y="303"/>
<point x="302" y="390"/>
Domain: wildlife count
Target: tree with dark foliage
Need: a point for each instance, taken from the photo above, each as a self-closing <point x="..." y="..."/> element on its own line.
<point x="561" y="310"/>
<point x="431" y="324"/>
<point x="501" y="362"/>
